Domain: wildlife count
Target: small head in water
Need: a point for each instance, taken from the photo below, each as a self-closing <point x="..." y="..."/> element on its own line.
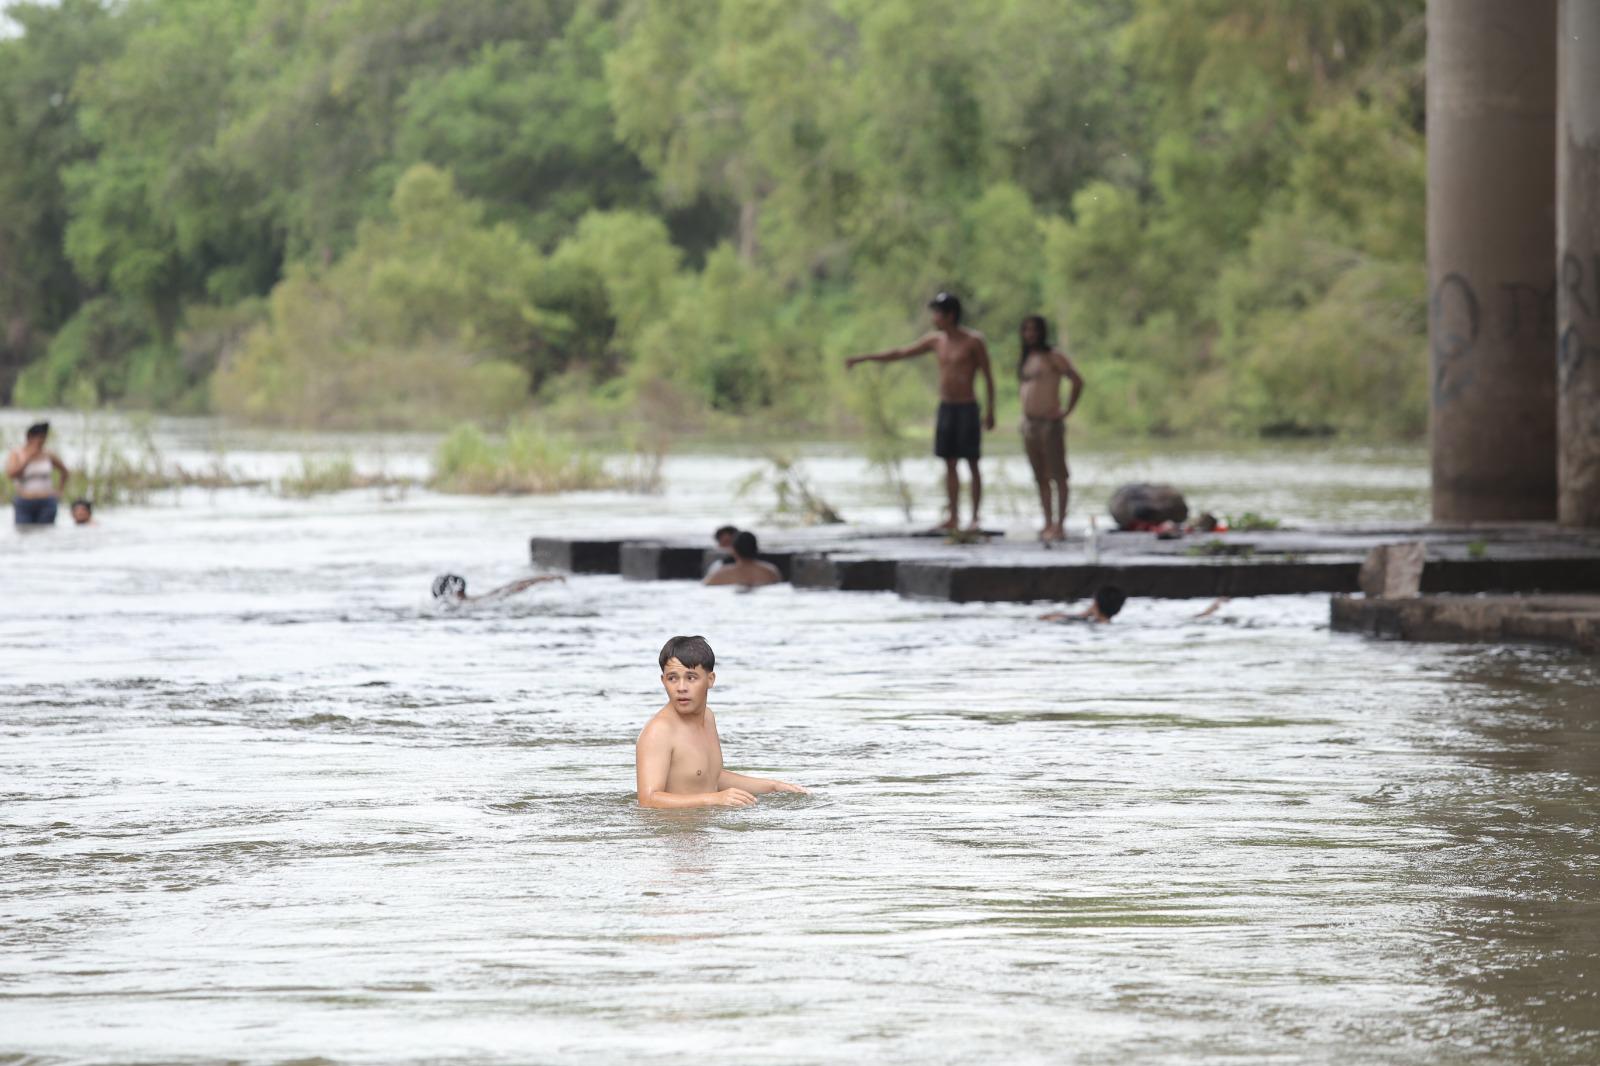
<point x="1108" y="600"/>
<point x="449" y="587"/>
<point x="82" y="512"/>
<point x="745" y="546"/>
<point x="946" y="308"/>
<point x="725" y="535"/>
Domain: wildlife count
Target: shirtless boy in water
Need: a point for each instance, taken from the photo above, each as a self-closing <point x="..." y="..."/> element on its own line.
<point x="678" y="760"/>
<point x="962" y="356"/>
<point x="748" y="570"/>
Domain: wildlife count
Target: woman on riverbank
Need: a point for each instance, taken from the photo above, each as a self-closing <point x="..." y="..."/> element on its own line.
<point x="1044" y="421"/>
<point x="32" y="469"/>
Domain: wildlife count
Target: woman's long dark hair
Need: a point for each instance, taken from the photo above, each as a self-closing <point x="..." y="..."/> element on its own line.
<point x="1044" y="340"/>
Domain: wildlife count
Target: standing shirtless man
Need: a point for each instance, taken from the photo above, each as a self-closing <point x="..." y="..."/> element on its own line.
<point x="957" y="434"/>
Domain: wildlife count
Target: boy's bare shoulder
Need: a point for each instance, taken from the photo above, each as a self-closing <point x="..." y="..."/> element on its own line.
<point x="657" y="728"/>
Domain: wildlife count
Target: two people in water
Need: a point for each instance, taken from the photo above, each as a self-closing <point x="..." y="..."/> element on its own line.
<point x="958" y="432"/>
<point x="32" y="468"/>
<point x="747" y="569"/>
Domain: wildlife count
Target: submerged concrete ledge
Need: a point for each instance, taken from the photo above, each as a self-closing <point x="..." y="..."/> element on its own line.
<point x="1566" y="620"/>
<point x="963" y="582"/>
<point x="1462" y="559"/>
<point x="577" y="556"/>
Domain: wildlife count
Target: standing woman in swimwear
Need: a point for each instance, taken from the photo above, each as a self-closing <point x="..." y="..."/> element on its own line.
<point x="33" y="468"/>
<point x="1044" y="421"/>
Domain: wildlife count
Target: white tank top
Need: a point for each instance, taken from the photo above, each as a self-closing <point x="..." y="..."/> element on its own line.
<point x="37" y="477"/>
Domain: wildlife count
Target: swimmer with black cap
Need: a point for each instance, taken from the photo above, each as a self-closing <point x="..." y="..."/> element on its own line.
<point x="452" y="588"/>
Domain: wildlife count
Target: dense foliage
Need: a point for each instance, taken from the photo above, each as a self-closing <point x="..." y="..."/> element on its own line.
<point x="407" y="212"/>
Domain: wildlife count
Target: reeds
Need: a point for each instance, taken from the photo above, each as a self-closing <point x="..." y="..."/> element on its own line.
<point x="525" y="461"/>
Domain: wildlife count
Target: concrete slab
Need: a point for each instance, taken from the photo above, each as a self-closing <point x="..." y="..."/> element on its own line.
<point x="1567" y="620"/>
<point x="576" y="556"/>
<point x="1510" y="558"/>
<point x="661" y="562"/>
<point x="843" y="572"/>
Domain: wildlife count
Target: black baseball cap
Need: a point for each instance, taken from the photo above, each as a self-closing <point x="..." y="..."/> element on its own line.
<point x="944" y="301"/>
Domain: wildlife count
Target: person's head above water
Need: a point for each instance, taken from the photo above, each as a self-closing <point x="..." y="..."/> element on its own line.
<point x="946" y="310"/>
<point x="449" y="587"/>
<point x="82" y="512"/>
<point x="724" y="536"/>
<point x="745" y="546"/>
<point x="687" y="673"/>
<point x="692" y="652"/>
<point x="1108" y="600"/>
<point x="39" y="431"/>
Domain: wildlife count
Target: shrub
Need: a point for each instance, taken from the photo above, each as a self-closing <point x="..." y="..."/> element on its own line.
<point x="525" y="460"/>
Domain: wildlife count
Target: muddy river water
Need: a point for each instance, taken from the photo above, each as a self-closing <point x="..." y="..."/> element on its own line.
<point x="261" y="801"/>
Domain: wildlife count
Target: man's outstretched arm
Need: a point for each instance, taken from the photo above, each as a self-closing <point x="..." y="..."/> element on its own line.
<point x="920" y="347"/>
<point x="652" y="757"/>
<point x="755" y="785"/>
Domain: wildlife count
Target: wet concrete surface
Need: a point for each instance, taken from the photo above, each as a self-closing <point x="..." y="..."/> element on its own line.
<point x="1522" y="557"/>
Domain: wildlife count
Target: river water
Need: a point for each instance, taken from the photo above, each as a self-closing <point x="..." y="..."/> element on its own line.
<point x="261" y="801"/>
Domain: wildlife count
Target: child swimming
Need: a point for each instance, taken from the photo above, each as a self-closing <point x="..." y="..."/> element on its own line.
<point x="678" y="760"/>
<point x="452" y="588"/>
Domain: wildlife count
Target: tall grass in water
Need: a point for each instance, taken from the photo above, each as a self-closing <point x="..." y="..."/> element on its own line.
<point x="793" y="497"/>
<point x="116" y="461"/>
<point x="318" y="477"/>
<point x="885" y="444"/>
<point x="526" y="460"/>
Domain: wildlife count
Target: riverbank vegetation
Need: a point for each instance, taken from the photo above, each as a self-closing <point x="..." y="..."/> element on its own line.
<point x="415" y="213"/>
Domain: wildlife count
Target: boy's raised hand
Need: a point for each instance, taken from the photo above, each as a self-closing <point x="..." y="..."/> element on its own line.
<point x="733" y="797"/>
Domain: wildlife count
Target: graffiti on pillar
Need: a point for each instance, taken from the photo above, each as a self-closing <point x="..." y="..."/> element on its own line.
<point x="1453" y="330"/>
<point x="1530" y="310"/>
<point x="1456" y="321"/>
<point x="1576" y="349"/>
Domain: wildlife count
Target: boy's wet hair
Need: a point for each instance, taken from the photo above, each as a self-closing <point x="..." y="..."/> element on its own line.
<point x="85" y="504"/>
<point x="745" y="546"/>
<point x="449" y="585"/>
<point x="717" y="536"/>
<point x="1109" y="599"/>
<point x="693" y="652"/>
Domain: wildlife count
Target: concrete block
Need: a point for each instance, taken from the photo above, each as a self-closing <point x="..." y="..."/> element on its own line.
<point x="644" y="561"/>
<point x="576" y="556"/>
<point x="1394" y="571"/>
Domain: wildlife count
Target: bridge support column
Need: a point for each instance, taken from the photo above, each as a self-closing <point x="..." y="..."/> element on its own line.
<point x="1578" y="239"/>
<point x="1492" y="257"/>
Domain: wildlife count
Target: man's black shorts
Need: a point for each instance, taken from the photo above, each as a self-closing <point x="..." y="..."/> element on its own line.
<point x="958" y="434"/>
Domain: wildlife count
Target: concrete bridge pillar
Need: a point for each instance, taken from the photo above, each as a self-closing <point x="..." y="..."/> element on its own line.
<point x="1578" y="240"/>
<point x="1491" y="73"/>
